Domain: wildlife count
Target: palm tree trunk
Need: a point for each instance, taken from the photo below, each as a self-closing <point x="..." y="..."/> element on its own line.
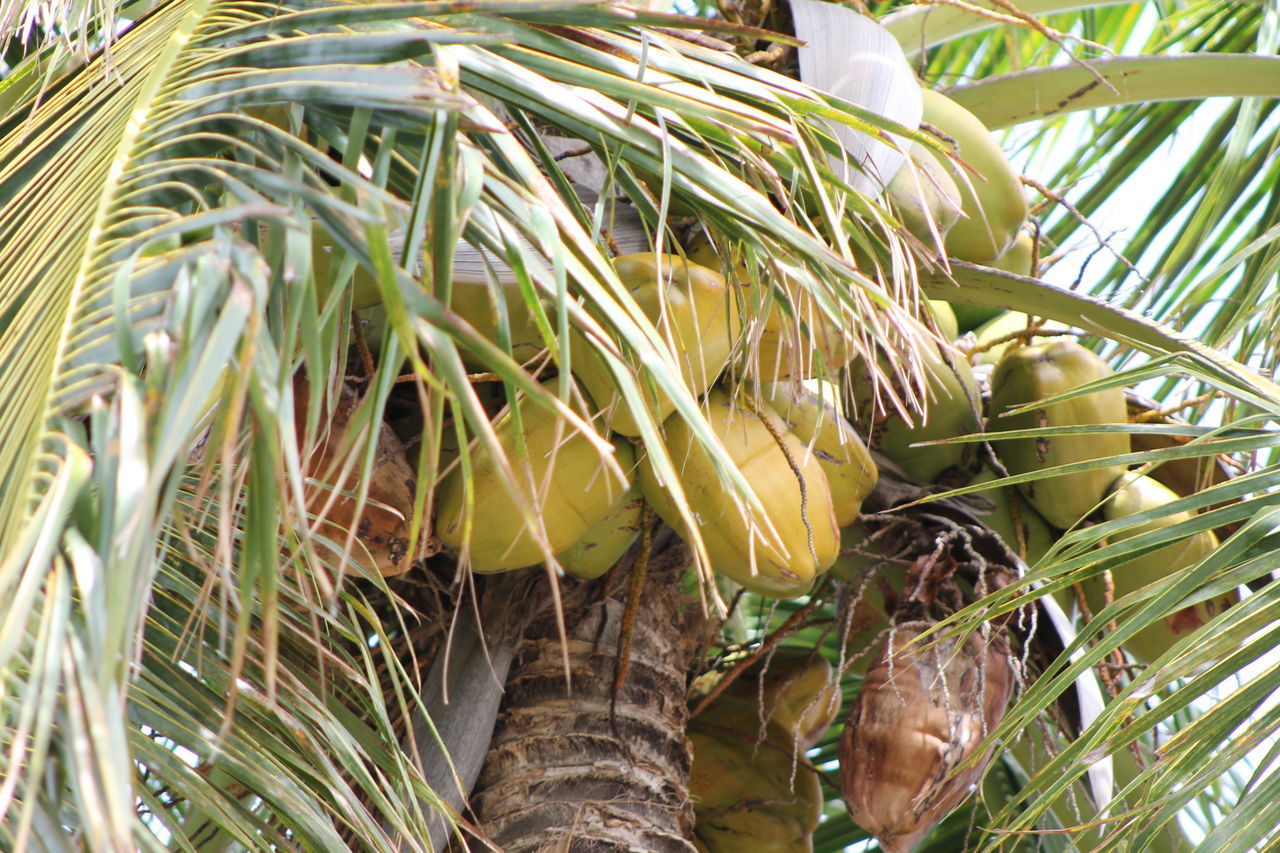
<point x="574" y="768"/>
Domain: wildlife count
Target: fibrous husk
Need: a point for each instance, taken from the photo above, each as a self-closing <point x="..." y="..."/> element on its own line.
<point x="1028" y="374"/>
<point x="991" y="195"/>
<point x="922" y="713"/>
<point x="807" y="538"/>
<point x="692" y="309"/>
<point x="814" y="419"/>
<point x="953" y="402"/>
<point x="383" y="526"/>
<point x="564" y="484"/>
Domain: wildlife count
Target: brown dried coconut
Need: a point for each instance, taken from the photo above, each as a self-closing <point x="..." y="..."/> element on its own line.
<point x="922" y="712"/>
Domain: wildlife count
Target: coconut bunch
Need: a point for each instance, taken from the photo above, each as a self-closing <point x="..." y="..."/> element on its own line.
<point x="965" y="194"/>
<point x="807" y="465"/>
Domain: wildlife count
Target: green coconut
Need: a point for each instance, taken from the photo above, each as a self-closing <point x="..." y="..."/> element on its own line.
<point x="326" y="259"/>
<point x="1002" y="326"/>
<point x="807" y="538"/>
<point x="792" y="687"/>
<point x="1016" y="259"/>
<point x="692" y="308"/>
<point x="1132" y="494"/>
<point x="750" y="796"/>
<point x="1027" y="534"/>
<point x="945" y="318"/>
<point x="953" y="402"/>
<point x="604" y="543"/>
<point x="868" y="579"/>
<point x="1028" y="374"/>
<point x="924" y="194"/>
<point x="851" y="473"/>
<point x="563" y="483"/>
<point x="992" y="201"/>
<point x="479" y="307"/>
<point x="1019" y="258"/>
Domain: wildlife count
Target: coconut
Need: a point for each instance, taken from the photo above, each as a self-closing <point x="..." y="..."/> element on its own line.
<point x="873" y="586"/>
<point x="990" y="196"/>
<point x="921" y="716"/>
<point x="692" y="309"/>
<point x="794" y="688"/>
<point x="1017" y="259"/>
<point x="1132" y="494"/>
<point x="383" y="526"/>
<point x="953" y="402"/>
<point x="851" y="473"/>
<point x="806" y="538"/>
<point x="1015" y="521"/>
<point x="786" y="344"/>
<point x="750" y="795"/>
<point x="604" y="543"/>
<point x="924" y="194"/>
<point x="1029" y="374"/>
<point x="1004" y="325"/>
<point x="563" y="483"/>
<point x="477" y="305"/>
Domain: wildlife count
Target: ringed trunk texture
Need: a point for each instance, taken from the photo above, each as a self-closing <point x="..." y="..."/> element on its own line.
<point x="569" y="769"/>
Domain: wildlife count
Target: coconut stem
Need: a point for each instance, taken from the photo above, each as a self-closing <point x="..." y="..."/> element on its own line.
<point x="794" y="622"/>
<point x="635" y="586"/>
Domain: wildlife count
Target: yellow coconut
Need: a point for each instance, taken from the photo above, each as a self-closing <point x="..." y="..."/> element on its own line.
<point x="795" y="342"/>
<point x="1029" y="374"/>
<point x="750" y="795"/>
<point x="991" y="194"/>
<point x="1132" y="494"/>
<point x="563" y="483"/>
<point x="805" y="538"/>
<point x="851" y="473"/>
<point x="606" y="542"/>
<point x="692" y="309"/>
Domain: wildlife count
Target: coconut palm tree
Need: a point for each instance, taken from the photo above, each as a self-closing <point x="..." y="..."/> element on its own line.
<point x="279" y="281"/>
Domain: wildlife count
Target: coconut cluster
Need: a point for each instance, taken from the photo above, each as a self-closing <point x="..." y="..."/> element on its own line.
<point x="545" y="489"/>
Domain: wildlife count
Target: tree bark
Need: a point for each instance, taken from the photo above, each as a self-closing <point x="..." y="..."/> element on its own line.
<point x="570" y="768"/>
